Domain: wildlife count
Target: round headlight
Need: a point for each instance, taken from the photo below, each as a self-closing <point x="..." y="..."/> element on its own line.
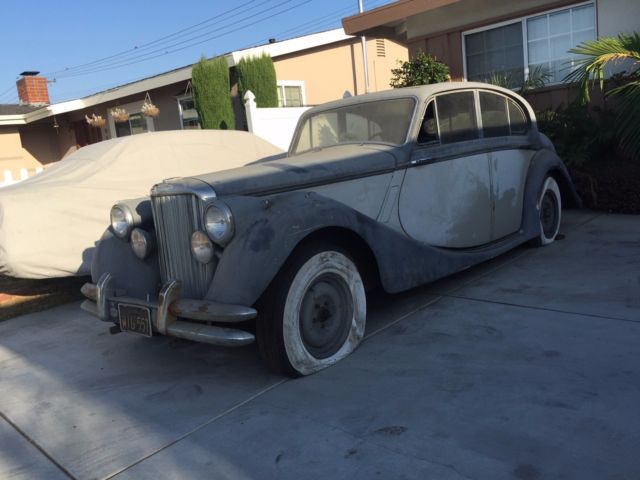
<point x="201" y="247"/>
<point x="121" y="221"/>
<point x="218" y="222"/>
<point x="141" y="243"/>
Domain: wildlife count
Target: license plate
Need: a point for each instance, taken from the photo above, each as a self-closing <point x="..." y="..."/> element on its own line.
<point x="135" y="319"/>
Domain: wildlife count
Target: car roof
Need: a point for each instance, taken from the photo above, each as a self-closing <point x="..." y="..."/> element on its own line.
<point x="421" y="92"/>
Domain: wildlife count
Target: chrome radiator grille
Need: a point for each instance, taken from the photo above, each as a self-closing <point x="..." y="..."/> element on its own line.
<point x="176" y="217"/>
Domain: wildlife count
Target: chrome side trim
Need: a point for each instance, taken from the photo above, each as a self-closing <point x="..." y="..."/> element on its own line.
<point x="182" y="186"/>
<point x="104" y="290"/>
<point x="169" y="293"/>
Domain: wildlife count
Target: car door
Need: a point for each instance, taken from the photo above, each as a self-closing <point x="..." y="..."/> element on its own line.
<point x="505" y="123"/>
<point x="445" y="198"/>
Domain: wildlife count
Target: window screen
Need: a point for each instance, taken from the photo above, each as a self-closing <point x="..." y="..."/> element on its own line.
<point x="550" y="37"/>
<point x="496" y="53"/>
<point x="495" y="121"/>
<point x="457" y="117"/>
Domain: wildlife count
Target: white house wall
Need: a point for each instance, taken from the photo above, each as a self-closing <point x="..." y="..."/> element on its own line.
<point x="615" y="16"/>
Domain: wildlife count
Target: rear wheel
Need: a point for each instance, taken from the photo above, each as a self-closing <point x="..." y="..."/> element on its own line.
<point x="550" y="212"/>
<point x="313" y="314"/>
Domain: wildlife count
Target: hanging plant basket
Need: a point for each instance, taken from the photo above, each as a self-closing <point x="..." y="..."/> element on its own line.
<point x="95" y="120"/>
<point x="149" y="109"/>
<point x="119" y="115"/>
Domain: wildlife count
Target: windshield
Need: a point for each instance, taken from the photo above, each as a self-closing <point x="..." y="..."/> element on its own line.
<point x="384" y="121"/>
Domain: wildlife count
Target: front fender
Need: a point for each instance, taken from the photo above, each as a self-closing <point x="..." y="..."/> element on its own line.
<point x="267" y="231"/>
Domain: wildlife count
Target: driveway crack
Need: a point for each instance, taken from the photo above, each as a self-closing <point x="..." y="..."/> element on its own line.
<point x="37" y="446"/>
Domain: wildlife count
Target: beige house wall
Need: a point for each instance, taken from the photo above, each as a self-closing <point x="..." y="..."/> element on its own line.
<point x="327" y="72"/>
<point x="13" y="156"/>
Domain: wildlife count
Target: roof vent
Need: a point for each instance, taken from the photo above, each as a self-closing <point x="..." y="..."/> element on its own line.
<point x="272" y="40"/>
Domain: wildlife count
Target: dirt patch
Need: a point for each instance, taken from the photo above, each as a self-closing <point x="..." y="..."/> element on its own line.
<point x="21" y="296"/>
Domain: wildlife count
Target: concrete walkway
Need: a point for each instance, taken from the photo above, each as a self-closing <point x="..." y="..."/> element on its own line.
<point x="527" y="367"/>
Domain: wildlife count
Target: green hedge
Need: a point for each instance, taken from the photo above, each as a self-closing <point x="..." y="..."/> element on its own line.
<point x="258" y="75"/>
<point x="211" y="93"/>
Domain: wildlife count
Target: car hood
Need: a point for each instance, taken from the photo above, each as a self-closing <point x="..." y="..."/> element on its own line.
<point x="313" y="168"/>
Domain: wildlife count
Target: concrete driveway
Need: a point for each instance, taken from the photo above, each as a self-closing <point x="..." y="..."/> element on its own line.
<point x="527" y="367"/>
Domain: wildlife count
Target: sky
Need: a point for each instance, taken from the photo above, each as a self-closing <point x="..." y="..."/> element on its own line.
<point x="83" y="47"/>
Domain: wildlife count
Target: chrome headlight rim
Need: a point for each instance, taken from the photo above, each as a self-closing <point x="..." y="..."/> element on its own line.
<point x="200" y="254"/>
<point x="228" y="220"/>
<point x="127" y="220"/>
<point x="148" y="243"/>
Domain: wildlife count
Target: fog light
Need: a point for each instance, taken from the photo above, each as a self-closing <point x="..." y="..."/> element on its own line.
<point x="201" y="247"/>
<point x="142" y="243"/>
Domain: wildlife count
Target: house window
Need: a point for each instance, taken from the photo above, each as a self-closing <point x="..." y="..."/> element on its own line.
<point x="137" y="123"/>
<point x="188" y="114"/>
<point x="291" y="93"/>
<point x="497" y="51"/>
<point x="551" y="36"/>
<point x="509" y="52"/>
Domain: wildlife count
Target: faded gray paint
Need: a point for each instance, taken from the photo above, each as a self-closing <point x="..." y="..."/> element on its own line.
<point x="508" y="173"/>
<point x="448" y="203"/>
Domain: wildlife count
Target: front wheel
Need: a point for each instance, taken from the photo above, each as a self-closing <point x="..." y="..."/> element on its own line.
<point x="549" y="212"/>
<point x="314" y="313"/>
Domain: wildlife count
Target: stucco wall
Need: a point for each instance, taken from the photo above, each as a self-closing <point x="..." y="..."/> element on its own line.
<point x="12" y="156"/>
<point x="328" y="72"/>
<point x="615" y="16"/>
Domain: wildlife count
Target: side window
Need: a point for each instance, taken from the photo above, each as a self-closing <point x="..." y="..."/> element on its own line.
<point x="517" y="119"/>
<point x="495" y="122"/>
<point x="429" y="128"/>
<point x="457" y="117"/>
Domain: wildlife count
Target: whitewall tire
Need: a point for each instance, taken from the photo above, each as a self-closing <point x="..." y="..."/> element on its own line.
<point x="549" y="212"/>
<point x="317" y="313"/>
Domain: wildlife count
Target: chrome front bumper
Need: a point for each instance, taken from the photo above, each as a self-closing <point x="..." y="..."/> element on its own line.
<point x="103" y="302"/>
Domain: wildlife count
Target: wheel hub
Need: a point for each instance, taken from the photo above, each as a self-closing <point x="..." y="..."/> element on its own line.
<point x="326" y="314"/>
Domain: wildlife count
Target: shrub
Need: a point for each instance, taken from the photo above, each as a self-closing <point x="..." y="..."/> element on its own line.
<point x="210" y="81"/>
<point x="258" y="75"/>
<point x="580" y="135"/>
<point x="422" y="69"/>
<point x="595" y="56"/>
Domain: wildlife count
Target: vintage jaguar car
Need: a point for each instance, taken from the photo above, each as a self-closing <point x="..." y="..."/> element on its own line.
<point x="391" y="189"/>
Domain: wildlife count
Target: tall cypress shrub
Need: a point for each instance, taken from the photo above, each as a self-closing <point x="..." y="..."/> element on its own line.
<point x="211" y="93"/>
<point x="258" y="75"/>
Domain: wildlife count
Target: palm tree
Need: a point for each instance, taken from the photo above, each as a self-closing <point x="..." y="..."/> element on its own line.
<point x="606" y="51"/>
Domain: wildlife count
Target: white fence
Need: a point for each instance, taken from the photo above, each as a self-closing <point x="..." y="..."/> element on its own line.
<point x="275" y="125"/>
<point x="8" y="179"/>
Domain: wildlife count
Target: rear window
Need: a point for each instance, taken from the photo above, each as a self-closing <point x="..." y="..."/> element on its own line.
<point x="457" y="117"/>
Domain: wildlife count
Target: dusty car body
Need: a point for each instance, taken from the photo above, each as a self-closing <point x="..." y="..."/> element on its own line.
<point x="396" y="189"/>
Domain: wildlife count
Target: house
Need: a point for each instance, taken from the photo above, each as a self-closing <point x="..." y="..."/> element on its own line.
<point x="478" y="38"/>
<point x="310" y="70"/>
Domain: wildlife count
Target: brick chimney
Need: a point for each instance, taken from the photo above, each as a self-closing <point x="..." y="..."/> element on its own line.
<point x="32" y="89"/>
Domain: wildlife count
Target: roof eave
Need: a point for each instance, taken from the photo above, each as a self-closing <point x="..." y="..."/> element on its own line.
<point x="368" y="23"/>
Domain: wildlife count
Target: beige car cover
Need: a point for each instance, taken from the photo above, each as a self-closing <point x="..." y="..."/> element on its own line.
<point x="49" y="224"/>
